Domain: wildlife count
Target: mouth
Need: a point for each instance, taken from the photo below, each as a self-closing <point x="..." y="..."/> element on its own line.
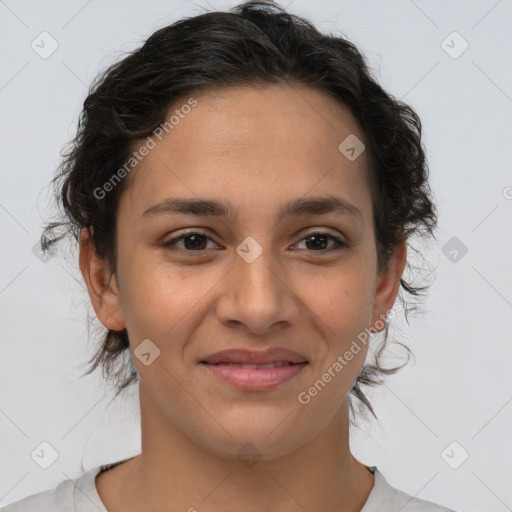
<point x="251" y="370"/>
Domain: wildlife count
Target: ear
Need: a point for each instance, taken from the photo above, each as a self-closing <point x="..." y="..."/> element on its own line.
<point x="388" y="283"/>
<point x="101" y="285"/>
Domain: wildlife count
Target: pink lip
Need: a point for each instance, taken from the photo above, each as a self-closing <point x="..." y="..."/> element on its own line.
<point x="227" y="365"/>
<point x="254" y="379"/>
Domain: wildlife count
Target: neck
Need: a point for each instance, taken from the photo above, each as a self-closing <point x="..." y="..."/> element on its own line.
<point x="175" y="473"/>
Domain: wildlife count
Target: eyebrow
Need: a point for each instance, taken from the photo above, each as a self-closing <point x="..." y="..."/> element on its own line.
<point x="299" y="207"/>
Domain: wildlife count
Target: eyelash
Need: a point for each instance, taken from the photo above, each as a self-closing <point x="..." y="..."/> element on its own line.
<point x="339" y="244"/>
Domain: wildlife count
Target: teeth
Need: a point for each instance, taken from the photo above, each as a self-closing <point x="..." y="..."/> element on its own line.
<point x="257" y="366"/>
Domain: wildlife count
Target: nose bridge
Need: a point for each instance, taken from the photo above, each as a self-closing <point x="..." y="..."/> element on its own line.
<point x="256" y="281"/>
<point x="255" y="269"/>
<point x="256" y="295"/>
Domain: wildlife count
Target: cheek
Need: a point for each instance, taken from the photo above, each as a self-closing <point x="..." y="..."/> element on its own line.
<point x="160" y="299"/>
<point x="343" y="307"/>
<point x="341" y="357"/>
<point x="144" y="293"/>
<point x="345" y="298"/>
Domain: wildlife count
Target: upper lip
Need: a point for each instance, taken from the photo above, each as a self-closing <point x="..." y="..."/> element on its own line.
<point x="244" y="356"/>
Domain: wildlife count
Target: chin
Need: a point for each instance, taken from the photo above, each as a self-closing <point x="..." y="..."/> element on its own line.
<point x="249" y="450"/>
<point x="253" y="441"/>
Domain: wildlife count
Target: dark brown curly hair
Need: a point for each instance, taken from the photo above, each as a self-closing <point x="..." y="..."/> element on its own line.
<point x="255" y="43"/>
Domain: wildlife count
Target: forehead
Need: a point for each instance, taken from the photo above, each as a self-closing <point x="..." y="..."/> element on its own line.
<point x="248" y="118"/>
<point x="254" y="141"/>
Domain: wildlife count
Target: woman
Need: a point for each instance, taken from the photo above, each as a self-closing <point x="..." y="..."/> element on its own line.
<point x="243" y="192"/>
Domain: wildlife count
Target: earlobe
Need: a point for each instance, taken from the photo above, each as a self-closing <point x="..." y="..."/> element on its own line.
<point x="101" y="285"/>
<point x="388" y="284"/>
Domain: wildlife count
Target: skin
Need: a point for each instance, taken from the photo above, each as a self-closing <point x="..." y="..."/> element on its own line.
<point x="256" y="148"/>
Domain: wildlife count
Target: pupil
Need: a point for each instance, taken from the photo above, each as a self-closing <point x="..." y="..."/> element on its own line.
<point x="316" y="237"/>
<point x="195" y="244"/>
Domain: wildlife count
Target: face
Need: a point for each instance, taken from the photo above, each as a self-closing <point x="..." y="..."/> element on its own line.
<point x="247" y="272"/>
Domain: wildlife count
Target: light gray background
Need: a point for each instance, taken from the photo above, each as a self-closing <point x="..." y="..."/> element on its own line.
<point x="458" y="389"/>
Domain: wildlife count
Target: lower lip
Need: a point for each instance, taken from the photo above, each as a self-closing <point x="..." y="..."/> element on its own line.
<point x="254" y="379"/>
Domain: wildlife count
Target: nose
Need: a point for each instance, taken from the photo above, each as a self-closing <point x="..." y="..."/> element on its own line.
<point x="258" y="297"/>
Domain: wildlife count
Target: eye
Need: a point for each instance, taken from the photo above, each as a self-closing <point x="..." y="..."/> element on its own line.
<point x="196" y="241"/>
<point x="319" y="239"/>
<point x="193" y="241"/>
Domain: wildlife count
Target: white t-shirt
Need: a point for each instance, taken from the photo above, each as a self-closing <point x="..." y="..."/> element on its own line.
<point x="80" y="495"/>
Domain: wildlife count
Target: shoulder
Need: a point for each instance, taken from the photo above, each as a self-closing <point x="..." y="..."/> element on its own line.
<point x="77" y="495"/>
<point x="40" y="502"/>
<point x="385" y="498"/>
<point x="72" y="495"/>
